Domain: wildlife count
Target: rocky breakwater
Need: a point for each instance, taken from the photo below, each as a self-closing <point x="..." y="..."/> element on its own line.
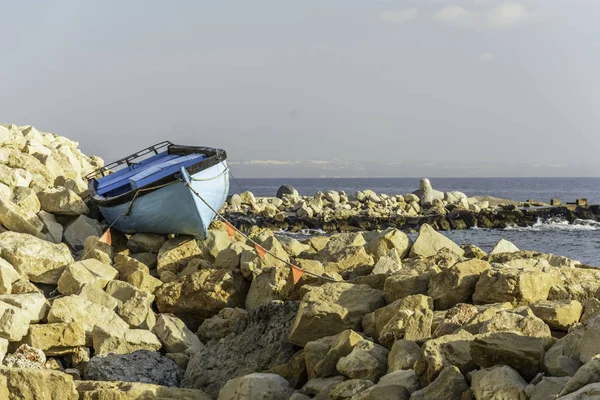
<point x="336" y="211"/>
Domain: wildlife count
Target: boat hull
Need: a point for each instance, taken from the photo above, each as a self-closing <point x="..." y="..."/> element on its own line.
<point x="174" y="208"/>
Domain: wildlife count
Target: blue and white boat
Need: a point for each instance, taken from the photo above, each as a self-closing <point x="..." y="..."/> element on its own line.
<point x="151" y="190"/>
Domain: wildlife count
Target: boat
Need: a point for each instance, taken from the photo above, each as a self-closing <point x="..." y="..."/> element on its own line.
<point x="165" y="188"/>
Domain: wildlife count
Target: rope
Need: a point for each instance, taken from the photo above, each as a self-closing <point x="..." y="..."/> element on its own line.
<point x="254" y="242"/>
<point x="237" y="183"/>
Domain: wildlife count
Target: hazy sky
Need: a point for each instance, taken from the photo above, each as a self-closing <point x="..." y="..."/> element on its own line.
<point x="316" y="88"/>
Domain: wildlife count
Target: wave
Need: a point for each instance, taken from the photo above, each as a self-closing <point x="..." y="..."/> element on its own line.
<point x="558" y="224"/>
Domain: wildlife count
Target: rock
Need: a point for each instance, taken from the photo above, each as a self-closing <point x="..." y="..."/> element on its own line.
<point x="456" y="284"/>
<point x="585" y="375"/>
<point x="563" y="358"/>
<point x="145" y="243"/>
<point x="499" y="382"/>
<point x="79" y="229"/>
<point x="259" y="386"/>
<point x="449" y="385"/>
<point x="347" y="260"/>
<point x="429" y="242"/>
<point x="13" y="177"/>
<point x="33" y="258"/>
<point x="123" y="341"/>
<point x="321" y="356"/>
<point x="409" y="318"/>
<point x="588" y="392"/>
<point x="321" y="386"/>
<point x="333" y="308"/>
<point x="294" y="371"/>
<point x="33" y="305"/>
<point x="87" y="272"/>
<point x="404" y="355"/>
<point x="220" y="325"/>
<point x="406" y="282"/>
<point x="94" y="249"/>
<point x="559" y="315"/>
<point x="271" y="284"/>
<point x="175" y="254"/>
<point x="472" y="251"/>
<point x="136" y="273"/>
<point x="515" y="285"/>
<point x="437" y="354"/>
<point x="367" y="360"/>
<point x="75" y="308"/>
<point x="91" y="390"/>
<point x="26" y="383"/>
<point x="245" y="350"/>
<point x="379" y="243"/>
<point x="388" y="264"/>
<point x="17" y="219"/>
<point x="548" y="388"/>
<point x="349" y="388"/>
<point x="26" y="198"/>
<point x="590" y="308"/>
<point x="454" y="319"/>
<point x="401" y="379"/>
<point x="426" y="193"/>
<point x="286" y="190"/>
<point x="56" y="339"/>
<point x="230" y="257"/>
<point x="8" y="275"/>
<point x="523" y="353"/>
<point x="174" y="335"/>
<point x="26" y="357"/>
<point x="504" y="246"/>
<point x="202" y="294"/>
<point x="524" y="323"/>
<point x="215" y="242"/>
<point x="140" y="366"/>
<point x="590" y="341"/>
<point x="61" y="200"/>
<point x="247" y="198"/>
<point x="99" y="296"/>
<point x="14" y="322"/>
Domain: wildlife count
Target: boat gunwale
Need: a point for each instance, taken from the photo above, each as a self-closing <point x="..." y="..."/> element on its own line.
<point x="214" y="157"/>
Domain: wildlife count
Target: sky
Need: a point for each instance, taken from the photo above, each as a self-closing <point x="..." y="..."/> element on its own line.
<point x="315" y="88"/>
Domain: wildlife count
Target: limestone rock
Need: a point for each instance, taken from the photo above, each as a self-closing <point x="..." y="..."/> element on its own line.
<point x="333" y="308"/>
<point x="87" y="272"/>
<point x="99" y="296"/>
<point x="559" y="315"/>
<point x="271" y="284"/>
<point x="499" y="382"/>
<point x="563" y="358"/>
<point x="202" y="294"/>
<point x="548" y="388"/>
<point x="294" y="371"/>
<point x="18" y="219"/>
<point x="174" y="335"/>
<point x="449" y="385"/>
<point x="426" y="193"/>
<point x="504" y="246"/>
<point x="79" y="229"/>
<point x="140" y="366"/>
<point x="123" y="342"/>
<point x="523" y="353"/>
<point x="259" y="386"/>
<point x="454" y="319"/>
<point x="33" y="305"/>
<point x="321" y="356"/>
<point x="61" y="200"/>
<point x="8" y="275"/>
<point x="55" y="339"/>
<point x="14" y="322"/>
<point x="230" y="257"/>
<point x="590" y="308"/>
<point x="591" y="391"/>
<point x="26" y="198"/>
<point x="26" y="383"/>
<point x="145" y="243"/>
<point x="75" y="308"/>
<point x="429" y="242"/>
<point x="380" y="243"/>
<point x="220" y="325"/>
<point x="94" y="249"/>
<point x="176" y="253"/>
<point x="367" y="360"/>
<point x="403" y="355"/>
<point x="588" y="373"/>
<point x="407" y="282"/>
<point x="26" y="357"/>
<point x="524" y="323"/>
<point x="388" y="264"/>
<point x="456" y="284"/>
<point x="91" y="390"/>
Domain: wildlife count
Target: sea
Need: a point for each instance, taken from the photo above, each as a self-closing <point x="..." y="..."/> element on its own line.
<point x="579" y="241"/>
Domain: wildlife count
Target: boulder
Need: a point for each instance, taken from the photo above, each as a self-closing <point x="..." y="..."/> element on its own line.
<point x="220" y="325"/>
<point x="14" y="322"/>
<point x="123" y="341"/>
<point x="145" y="243"/>
<point x="403" y="355"/>
<point x="587" y="374"/>
<point x="202" y="294"/>
<point x="499" y="382"/>
<point x="504" y="246"/>
<point x="26" y="357"/>
<point x="87" y="272"/>
<point x="79" y="229"/>
<point x="17" y="219"/>
<point x="349" y="388"/>
<point x="99" y="296"/>
<point x="294" y="371"/>
<point x="591" y="391"/>
<point x="456" y="284"/>
<point x="174" y="335"/>
<point x="230" y="257"/>
<point x="523" y="322"/>
<point x="91" y="390"/>
<point x="523" y="353"/>
<point x="563" y="358"/>
<point x="8" y="275"/>
<point x="426" y="193"/>
<point x="590" y="308"/>
<point x="140" y="366"/>
<point x="388" y="264"/>
<point x="454" y="319"/>
<point x="26" y="198"/>
<point x="559" y="315"/>
<point x="56" y="339"/>
<point x="379" y="243"/>
<point x="367" y="360"/>
<point x="548" y="388"/>
<point x="136" y="273"/>
<point x="176" y="253"/>
<point x="259" y="386"/>
<point x="348" y="260"/>
<point x="407" y="282"/>
<point x="429" y="242"/>
<point x="271" y="284"/>
<point x="321" y="356"/>
<point x="332" y="308"/>
<point x="449" y="385"/>
<point x="27" y="383"/>
<point x="93" y="248"/>
<point x="33" y="305"/>
<point x="61" y="200"/>
<point x="286" y="190"/>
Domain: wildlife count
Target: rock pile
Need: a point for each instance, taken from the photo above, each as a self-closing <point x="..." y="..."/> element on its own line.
<point x="154" y="316"/>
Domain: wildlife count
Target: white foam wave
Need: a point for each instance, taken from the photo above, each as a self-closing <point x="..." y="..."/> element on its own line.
<point x="557" y="224"/>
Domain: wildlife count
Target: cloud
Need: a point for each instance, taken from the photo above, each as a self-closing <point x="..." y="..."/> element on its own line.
<point x="487" y="56"/>
<point x="508" y="14"/>
<point x="318" y="162"/>
<point x="269" y="162"/>
<point x="399" y="16"/>
<point x="455" y="15"/>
